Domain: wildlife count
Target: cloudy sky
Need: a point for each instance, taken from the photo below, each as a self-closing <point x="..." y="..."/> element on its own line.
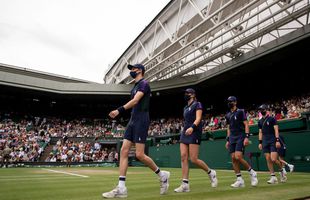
<point x="75" y="38"/>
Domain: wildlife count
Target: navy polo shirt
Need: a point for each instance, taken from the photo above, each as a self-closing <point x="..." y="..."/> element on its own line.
<point x="189" y="114"/>
<point x="235" y="120"/>
<point x="144" y="103"/>
<point x="266" y="124"/>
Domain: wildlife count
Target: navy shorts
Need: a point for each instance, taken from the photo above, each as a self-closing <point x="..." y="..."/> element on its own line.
<point x="236" y="144"/>
<point x="194" y="138"/>
<point x="269" y="147"/>
<point x="137" y="129"/>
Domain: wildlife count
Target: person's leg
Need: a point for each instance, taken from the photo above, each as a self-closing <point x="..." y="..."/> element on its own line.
<point x="247" y="166"/>
<point x="184" y="161"/>
<point x="273" y="179"/>
<point x="144" y="158"/>
<point x="236" y="166"/>
<point x="239" y="154"/>
<point x="274" y="158"/>
<point x="282" y="161"/>
<point x="281" y="153"/>
<point x="193" y="153"/>
<point x="235" y="163"/>
<point x="123" y="163"/>
<point x="239" y="158"/>
<point x="121" y="190"/>
<point x="269" y="163"/>
<point x="184" y="187"/>
<point x="163" y="175"/>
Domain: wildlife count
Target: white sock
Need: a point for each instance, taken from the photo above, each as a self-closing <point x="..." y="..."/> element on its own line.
<point x="121" y="183"/>
<point x="185" y="181"/>
<point x="160" y="173"/>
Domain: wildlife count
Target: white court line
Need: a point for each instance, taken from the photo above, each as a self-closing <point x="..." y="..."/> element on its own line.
<point x="40" y="178"/>
<point x="68" y="173"/>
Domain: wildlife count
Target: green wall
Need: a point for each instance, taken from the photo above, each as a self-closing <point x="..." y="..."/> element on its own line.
<point x="216" y="156"/>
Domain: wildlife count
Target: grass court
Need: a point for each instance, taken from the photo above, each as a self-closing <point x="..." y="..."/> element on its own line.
<point x="87" y="183"/>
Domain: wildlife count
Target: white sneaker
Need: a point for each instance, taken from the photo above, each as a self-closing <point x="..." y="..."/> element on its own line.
<point x="183" y="188"/>
<point x="273" y="180"/>
<point x="283" y="178"/>
<point x="116" y="193"/>
<point x="164" y="182"/>
<point x="284" y="170"/>
<point x="291" y="167"/>
<point x="213" y="178"/>
<point x="239" y="183"/>
<point x="254" y="180"/>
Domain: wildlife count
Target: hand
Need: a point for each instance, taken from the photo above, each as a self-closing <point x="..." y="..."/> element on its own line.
<point x="189" y="131"/>
<point x="278" y="145"/>
<point x="227" y="145"/>
<point x="113" y="113"/>
<point x="260" y="146"/>
<point x="246" y="142"/>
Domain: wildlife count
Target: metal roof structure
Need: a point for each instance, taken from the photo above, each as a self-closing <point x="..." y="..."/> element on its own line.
<point x="35" y="80"/>
<point x="195" y="37"/>
<point x="188" y="42"/>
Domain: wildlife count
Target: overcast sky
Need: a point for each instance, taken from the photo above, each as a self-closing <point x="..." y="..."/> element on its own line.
<point x="75" y="38"/>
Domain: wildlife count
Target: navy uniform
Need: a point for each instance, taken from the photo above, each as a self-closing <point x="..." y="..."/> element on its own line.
<point x="136" y="132"/>
<point x="137" y="128"/>
<point x="235" y="120"/>
<point x="266" y="124"/>
<point x="189" y="114"/>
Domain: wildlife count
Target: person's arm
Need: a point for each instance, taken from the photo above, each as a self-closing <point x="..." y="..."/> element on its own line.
<point x="227" y="137"/>
<point x="130" y="104"/>
<point x="196" y="123"/>
<point x="260" y="139"/>
<point x="247" y="132"/>
<point x="276" y="130"/>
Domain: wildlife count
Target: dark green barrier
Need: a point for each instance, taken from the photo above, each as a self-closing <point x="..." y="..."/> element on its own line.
<point x="284" y="125"/>
<point x="292" y="124"/>
<point x="215" y="154"/>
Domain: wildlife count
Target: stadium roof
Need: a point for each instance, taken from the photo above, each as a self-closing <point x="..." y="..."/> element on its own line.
<point x="35" y="80"/>
<point x="192" y="37"/>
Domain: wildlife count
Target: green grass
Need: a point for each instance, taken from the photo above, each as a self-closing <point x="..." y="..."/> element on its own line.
<point x="39" y="184"/>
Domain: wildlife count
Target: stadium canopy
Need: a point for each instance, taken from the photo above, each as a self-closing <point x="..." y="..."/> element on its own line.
<point x="191" y="40"/>
<point x="188" y="43"/>
<point x="36" y="80"/>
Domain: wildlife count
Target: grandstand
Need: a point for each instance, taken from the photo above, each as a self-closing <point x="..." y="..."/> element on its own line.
<point x="256" y="50"/>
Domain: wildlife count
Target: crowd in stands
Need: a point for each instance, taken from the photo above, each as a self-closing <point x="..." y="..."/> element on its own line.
<point x="26" y="138"/>
<point x="287" y="109"/>
<point x="25" y="143"/>
<point x="81" y="152"/>
<point x="164" y="127"/>
<point x="79" y="127"/>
